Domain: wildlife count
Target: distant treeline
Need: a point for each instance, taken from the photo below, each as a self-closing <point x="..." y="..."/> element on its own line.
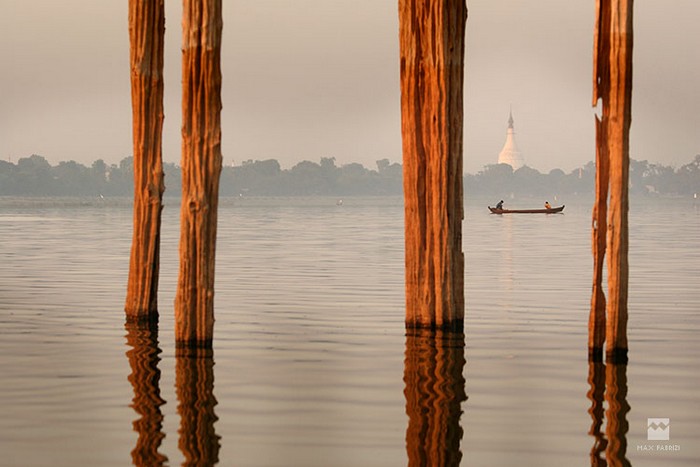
<point x="645" y="178"/>
<point x="34" y="176"/>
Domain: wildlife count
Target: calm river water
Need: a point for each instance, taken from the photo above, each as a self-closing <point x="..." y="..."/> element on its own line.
<point x="311" y="363"/>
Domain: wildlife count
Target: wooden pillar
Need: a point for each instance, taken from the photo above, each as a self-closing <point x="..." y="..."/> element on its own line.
<point x="432" y="73"/>
<point x="613" y="84"/>
<point x="596" y="320"/>
<point x="144" y="356"/>
<point x="146" y="32"/>
<point x="434" y="390"/>
<point x="201" y="168"/>
<point x="618" y="148"/>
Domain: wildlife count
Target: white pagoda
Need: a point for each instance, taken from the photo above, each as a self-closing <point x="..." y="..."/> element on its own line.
<point x="510" y="154"/>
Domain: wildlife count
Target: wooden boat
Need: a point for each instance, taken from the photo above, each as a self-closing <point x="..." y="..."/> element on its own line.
<point x="526" y="211"/>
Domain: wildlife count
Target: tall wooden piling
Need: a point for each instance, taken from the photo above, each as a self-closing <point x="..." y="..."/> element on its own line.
<point x="612" y="84"/>
<point x="596" y="321"/>
<point x="201" y="168"/>
<point x="620" y="102"/>
<point x="601" y="76"/>
<point x="146" y="33"/>
<point x="432" y="73"/>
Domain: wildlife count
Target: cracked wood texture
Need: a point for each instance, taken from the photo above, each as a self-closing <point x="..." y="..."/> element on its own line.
<point x="201" y="167"/>
<point x="596" y="320"/>
<point x="146" y="32"/>
<point x="431" y="37"/>
<point x="613" y="84"/>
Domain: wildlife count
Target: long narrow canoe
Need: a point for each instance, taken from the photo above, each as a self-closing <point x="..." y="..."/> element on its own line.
<point x="526" y="211"/>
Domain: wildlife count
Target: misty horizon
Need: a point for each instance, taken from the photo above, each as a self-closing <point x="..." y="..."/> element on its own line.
<point x="35" y="176"/>
<point x="371" y="166"/>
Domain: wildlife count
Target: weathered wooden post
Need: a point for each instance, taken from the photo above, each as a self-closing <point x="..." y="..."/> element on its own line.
<point x="201" y="168"/>
<point x="596" y="321"/>
<point x="431" y="41"/>
<point x="613" y="84"/>
<point x="146" y="32"/>
<point x="620" y="102"/>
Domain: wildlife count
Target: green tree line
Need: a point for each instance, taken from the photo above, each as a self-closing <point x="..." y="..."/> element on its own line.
<point x="35" y="176"/>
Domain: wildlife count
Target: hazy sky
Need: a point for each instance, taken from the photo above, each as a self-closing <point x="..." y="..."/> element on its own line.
<point x="305" y="79"/>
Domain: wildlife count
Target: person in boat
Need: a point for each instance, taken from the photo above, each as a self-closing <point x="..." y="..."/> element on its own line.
<point x="547" y="205"/>
<point x="499" y="205"/>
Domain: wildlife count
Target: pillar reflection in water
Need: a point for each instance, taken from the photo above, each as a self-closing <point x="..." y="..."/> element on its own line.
<point x="194" y="382"/>
<point x="143" y="358"/>
<point x="434" y="390"/>
<point x="608" y="383"/>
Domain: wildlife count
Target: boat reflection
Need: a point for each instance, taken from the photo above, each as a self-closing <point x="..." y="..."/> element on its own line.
<point x="194" y="380"/>
<point x="143" y="356"/>
<point x="434" y="391"/>
<point x="608" y="383"/>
